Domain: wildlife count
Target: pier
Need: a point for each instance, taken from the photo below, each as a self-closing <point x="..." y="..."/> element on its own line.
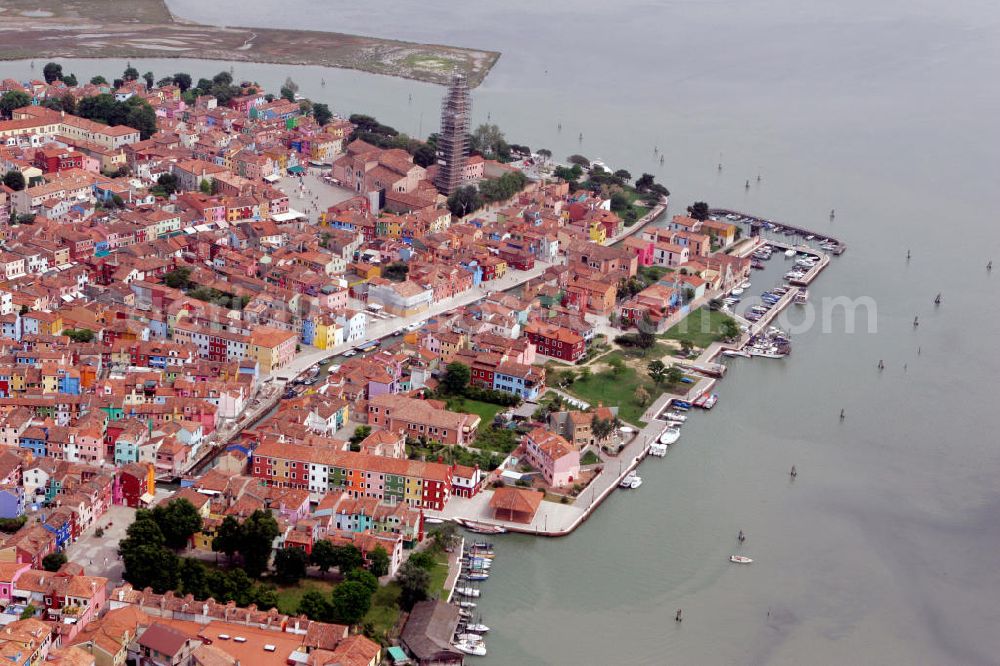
<point x="760" y="222"/>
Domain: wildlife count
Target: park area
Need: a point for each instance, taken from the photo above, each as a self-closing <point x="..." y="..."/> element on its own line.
<point x="702" y="327"/>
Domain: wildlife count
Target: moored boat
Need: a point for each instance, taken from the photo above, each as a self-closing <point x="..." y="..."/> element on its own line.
<point x="657" y="449"/>
<point x="670" y="436"/>
<point x="474" y="649"/>
<point x="740" y="559"/>
<point x="675" y="416"/>
<point x="467" y="592"/>
<point x="481" y="528"/>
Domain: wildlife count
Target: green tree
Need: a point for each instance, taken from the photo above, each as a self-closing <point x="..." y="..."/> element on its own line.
<point x="378" y="560"/>
<point x="641" y="396"/>
<point x="54" y="561"/>
<point x="182" y="81"/>
<point x="178" y="278"/>
<point x="130" y="74"/>
<point x="79" y="334"/>
<point x="205" y="186"/>
<point x="424" y="155"/>
<point x="657" y="371"/>
<point x="228" y="537"/>
<point x="464" y="200"/>
<point x="360" y="433"/>
<point x="423" y="559"/>
<point x="444" y="536"/>
<point x="168" y="182"/>
<point x="290" y="565"/>
<point x="13" y="99"/>
<point x="177" y="520"/>
<point x="456" y="378"/>
<point x="165" y="81"/>
<point x="14" y="180"/>
<point x="686" y="346"/>
<point x="323" y="556"/>
<point x="579" y="160"/>
<point x="152" y="566"/>
<point x="602" y="428"/>
<point x="545" y="154"/>
<point x="698" y="210"/>
<point x="348" y="558"/>
<point x="674" y="375"/>
<point x="193" y="578"/>
<point x="52" y="72"/>
<point x="98" y="81"/>
<point x="623" y="175"/>
<point x="729" y="328"/>
<point x="322" y="114"/>
<point x="414" y="584"/>
<point x="314" y="606"/>
<point x="70" y="80"/>
<point x="349" y="603"/>
<point x="258" y="534"/>
<point x="28" y="612"/>
<point x="287" y="94"/>
<point x="223" y="78"/>
<point x="366" y="578"/>
<point x="148" y="78"/>
<point x="143" y="118"/>
<point x="488" y="140"/>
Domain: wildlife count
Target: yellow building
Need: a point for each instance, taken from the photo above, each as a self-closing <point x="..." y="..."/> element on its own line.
<point x="597" y="232"/>
<point x="328" y="334"/>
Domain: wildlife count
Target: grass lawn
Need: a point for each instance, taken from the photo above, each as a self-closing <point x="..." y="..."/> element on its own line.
<point x="289" y="597"/>
<point x="702" y="327"/>
<point x="484" y="410"/>
<point x="615" y="390"/>
<point x="439" y="575"/>
<point x="384" y="612"/>
<point x="589" y="458"/>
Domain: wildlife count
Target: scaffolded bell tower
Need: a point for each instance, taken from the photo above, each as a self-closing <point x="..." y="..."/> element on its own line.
<point x="453" y="139"/>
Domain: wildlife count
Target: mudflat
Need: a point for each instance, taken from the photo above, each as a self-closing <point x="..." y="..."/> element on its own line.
<point x="146" y="29"/>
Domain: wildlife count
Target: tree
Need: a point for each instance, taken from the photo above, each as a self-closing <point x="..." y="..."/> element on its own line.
<point x="641" y="396"/>
<point x="579" y="160"/>
<point x="414" y="583"/>
<point x="686" y="346"/>
<point x="148" y="78"/>
<point x="130" y="74"/>
<point x="360" y="433"/>
<point x="456" y="378"/>
<point x="79" y="334"/>
<point x="423" y="559"/>
<point x="205" y="186"/>
<point x="674" y="375"/>
<point x="348" y="558"/>
<point x="314" y="606"/>
<point x="545" y="154"/>
<point x="729" y="328"/>
<point x="205" y="86"/>
<point x="227" y="537"/>
<point x="70" y="80"/>
<point x="182" y="81"/>
<point x="143" y="118"/>
<point x="257" y="536"/>
<point x="645" y="182"/>
<point x="193" y="578"/>
<point x="168" y="182"/>
<point x="54" y="561"/>
<point x="28" y="612"/>
<point x="657" y="371"/>
<point x="698" y="210"/>
<point x="464" y="200"/>
<point x="444" y="536"/>
<point x="396" y="271"/>
<point x="617" y="365"/>
<point x="287" y="93"/>
<point x="323" y="556"/>
<point x="290" y="565"/>
<point x="151" y="565"/>
<point x="623" y="175"/>
<point x="98" y="81"/>
<point x="366" y="578"/>
<point x="424" y="155"/>
<point x="488" y="140"/>
<point x="223" y="78"/>
<point x="602" y="428"/>
<point x="379" y="561"/>
<point x="165" y="81"/>
<point x="322" y="114"/>
<point x="13" y="99"/>
<point x="14" y="180"/>
<point x="52" y="72"/>
<point x="177" y="520"/>
<point x="350" y="601"/>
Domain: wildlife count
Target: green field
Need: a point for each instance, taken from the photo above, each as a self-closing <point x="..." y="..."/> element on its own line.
<point x="290" y="596"/>
<point x="702" y="327"/>
<point x="589" y="458"/>
<point x="484" y="410"/>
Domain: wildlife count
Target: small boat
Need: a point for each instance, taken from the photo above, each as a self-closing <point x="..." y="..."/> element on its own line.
<point x="482" y="528"/>
<point x="682" y="405"/>
<point x="745" y="285"/>
<point x="467" y="592"/>
<point x="736" y="292"/>
<point x="477" y="628"/>
<point x="476" y="576"/>
<point x="466" y="604"/>
<point x="789" y="253"/>
<point x="627" y="480"/>
<point x="474" y="649"/>
<point x="670" y="436"/>
<point x="675" y="416"/>
<point x="464" y="614"/>
<point x="740" y="559"/>
<point x="636" y="482"/>
<point x="766" y="352"/>
<point x="482" y="545"/>
<point x="707" y="401"/>
<point x="801" y="297"/>
<point x="657" y="449"/>
<point x="433" y="521"/>
<point x="736" y="352"/>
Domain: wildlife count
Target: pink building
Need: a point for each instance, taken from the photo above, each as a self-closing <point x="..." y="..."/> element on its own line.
<point x="553" y="456"/>
<point x="474" y="168"/>
<point x="9" y="573"/>
<point x="643" y="249"/>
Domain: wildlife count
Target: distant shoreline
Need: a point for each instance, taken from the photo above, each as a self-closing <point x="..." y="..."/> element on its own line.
<point x="48" y="33"/>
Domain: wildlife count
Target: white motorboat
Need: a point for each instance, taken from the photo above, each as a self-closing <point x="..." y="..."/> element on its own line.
<point x="676" y="416"/>
<point x="470" y="638"/>
<point x="670" y="435"/>
<point x="477" y="575"/>
<point x="745" y="285"/>
<point x="466" y="604"/>
<point x="477" y="628"/>
<point x="657" y="449"/>
<point x="789" y="253"/>
<point x="740" y="559"/>
<point x="735" y="352"/>
<point x="627" y="480"/>
<point x="467" y="592"/>
<point x="636" y="482"/>
<point x="737" y="292"/>
<point x="433" y="521"/>
<point x="801" y="297"/>
<point x="474" y="649"/>
<point x="766" y="352"/>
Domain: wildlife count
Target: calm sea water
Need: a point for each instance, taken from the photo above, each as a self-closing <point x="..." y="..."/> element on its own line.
<point x="884" y="548"/>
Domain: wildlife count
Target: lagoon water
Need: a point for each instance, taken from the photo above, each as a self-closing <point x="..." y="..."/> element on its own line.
<point x="883" y="550"/>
